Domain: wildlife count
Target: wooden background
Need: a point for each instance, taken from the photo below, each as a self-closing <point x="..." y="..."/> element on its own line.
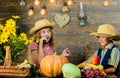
<point x="72" y="35"/>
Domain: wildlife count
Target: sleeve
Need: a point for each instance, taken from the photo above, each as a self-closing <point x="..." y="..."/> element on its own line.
<point x="33" y="46"/>
<point x="115" y="57"/>
<point x="95" y="53"/>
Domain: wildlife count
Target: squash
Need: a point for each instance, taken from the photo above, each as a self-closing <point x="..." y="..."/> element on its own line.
<point x="51" y="65"/>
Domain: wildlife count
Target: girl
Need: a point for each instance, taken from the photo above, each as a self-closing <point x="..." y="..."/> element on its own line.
<point x="43" y="31"/>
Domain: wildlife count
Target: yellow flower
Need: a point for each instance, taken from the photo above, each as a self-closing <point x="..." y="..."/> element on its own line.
<point x="48" y="22"/>
<point x="13" y="31"/>
<point x="23" y="36"/>
<point x="10" y="23"/>
<point x="37" y="40"/>
<point x="6" y="30"/>
<point x="4" y="38"/>
<point x="16" y="17"/>
<point x="31" y="40"/>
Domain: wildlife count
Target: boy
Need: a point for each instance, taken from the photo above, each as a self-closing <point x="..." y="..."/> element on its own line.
<point x="109" y="53"/>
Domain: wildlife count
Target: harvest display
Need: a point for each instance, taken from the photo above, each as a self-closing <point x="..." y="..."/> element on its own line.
<point x="57" y="65"/>
<point x="93" y="69"/>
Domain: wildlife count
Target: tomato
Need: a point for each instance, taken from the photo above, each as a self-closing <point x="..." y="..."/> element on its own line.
<point x="95" y="60"/>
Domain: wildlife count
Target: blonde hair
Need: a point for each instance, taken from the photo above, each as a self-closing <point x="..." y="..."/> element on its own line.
<point x="29" y="54"/>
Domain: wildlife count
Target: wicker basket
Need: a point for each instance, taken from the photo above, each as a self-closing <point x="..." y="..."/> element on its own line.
<point x="7" y="70"/>
<point x="12" y="71"/>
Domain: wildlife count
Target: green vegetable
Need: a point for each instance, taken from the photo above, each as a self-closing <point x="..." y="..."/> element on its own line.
<point x="100" y="67"/>
<point x="34" y="71"/>
<point x="70" y="70"/>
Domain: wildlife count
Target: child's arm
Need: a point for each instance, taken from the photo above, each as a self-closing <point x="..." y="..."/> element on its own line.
<point x="110" y="70"/>
<point x="81" y="65"/>
<point x="34" y="56"/>
<point x="40" y="51"/>
<point x="32" y="53"/>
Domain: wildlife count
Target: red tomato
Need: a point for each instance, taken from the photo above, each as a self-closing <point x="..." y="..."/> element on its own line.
<point x="95" y="60"/>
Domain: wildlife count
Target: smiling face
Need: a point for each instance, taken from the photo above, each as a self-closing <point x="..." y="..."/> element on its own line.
<point x="104" y="41"/>
<point x="46" y="34"/>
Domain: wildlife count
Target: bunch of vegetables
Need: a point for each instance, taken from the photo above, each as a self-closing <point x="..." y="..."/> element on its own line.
<point x="94" y="69"/>
<point x="33" y="68"/>
<point x="24" y="64"/>
<point x="34" y="71"/>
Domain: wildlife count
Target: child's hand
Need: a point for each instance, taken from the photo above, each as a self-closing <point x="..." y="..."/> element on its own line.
<point x="66" y="52"/>
<point x="42" y="39"/>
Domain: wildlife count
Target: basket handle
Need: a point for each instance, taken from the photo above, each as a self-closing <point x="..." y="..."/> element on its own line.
<point x="8" y="60"/>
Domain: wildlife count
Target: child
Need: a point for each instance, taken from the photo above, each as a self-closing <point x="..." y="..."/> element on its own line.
<point x="109" y="53"/>
<point x="43" y="31"/>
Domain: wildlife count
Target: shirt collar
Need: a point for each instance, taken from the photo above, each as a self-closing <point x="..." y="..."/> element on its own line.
<point x="109" y="46"/>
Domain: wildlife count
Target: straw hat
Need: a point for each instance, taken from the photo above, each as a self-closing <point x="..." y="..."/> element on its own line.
<point x="41" y="24"/>
<point x="106" y="30"/>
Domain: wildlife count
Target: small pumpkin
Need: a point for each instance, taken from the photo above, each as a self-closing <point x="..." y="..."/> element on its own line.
<point x="51" y="65"/>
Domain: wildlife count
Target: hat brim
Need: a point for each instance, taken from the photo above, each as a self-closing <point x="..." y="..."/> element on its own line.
<point x="35" y="29"/>
<point x="115" y="37"/>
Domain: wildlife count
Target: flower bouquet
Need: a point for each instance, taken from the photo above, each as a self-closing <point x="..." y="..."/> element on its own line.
<point x="9" y="37"/>
<point x="17" y="42"/>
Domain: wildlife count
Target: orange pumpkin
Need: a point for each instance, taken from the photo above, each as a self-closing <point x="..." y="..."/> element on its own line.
<point x="51" y="65"/>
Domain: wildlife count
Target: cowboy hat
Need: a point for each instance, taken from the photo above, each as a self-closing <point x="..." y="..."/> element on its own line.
<point x="106" y="30"/>
<point x="41" y="24"/>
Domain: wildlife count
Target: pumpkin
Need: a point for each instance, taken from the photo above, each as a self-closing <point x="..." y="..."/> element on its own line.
<point x="51" y="65"/>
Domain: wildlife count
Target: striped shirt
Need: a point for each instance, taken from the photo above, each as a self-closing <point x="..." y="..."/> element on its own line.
<point x="115" y="55"/>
